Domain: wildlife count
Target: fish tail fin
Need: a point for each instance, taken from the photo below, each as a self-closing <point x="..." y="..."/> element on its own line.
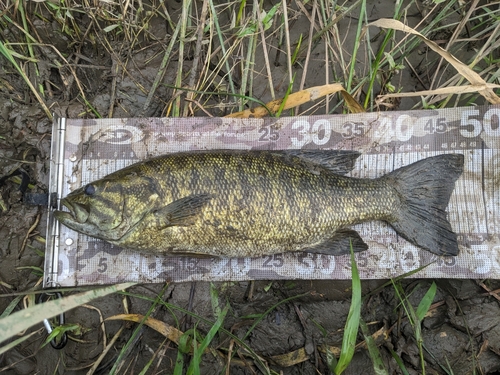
<point x="425" y="188"/>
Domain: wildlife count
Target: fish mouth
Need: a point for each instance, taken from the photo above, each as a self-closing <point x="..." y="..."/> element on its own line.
<point x="77" y="212"/>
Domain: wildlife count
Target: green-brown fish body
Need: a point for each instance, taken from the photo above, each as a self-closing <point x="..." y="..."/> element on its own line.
<point x="253" y="203"/>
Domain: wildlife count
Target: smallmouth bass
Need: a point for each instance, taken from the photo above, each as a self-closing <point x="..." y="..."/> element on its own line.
<point x="235" y="203"/>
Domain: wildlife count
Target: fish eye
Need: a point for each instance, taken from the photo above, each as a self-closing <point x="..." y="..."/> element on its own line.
<point x="89" y="189"/>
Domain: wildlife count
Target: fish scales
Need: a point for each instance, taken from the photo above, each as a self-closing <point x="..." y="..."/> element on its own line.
<point x="262" y="205"/>
<point x="253" y="203"/>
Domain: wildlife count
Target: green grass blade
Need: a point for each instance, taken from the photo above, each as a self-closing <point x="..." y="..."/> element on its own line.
<point x="400" y="362"/>
<point x="357" y="42"/>
<point x="215" y="19"/>
<point x="185" y="344"/>
<point x="16" y="342"/>
<point x="145" y="369"/>
<point x="59" y="331"/>
<point x="296" y="50"/>
<point x="378" y="363"/>
<point x="331" y="360"/>
<point x="287" y="94"/>
<point x="24" y="319"/>
<point x="194" y="366"/>
<point x="162" y="69"/>
<point x="247" y="74"/>
<point x="262" y="316"/>
<point x="11" y="307"/>
<point x="258" y="360"/>
<point x="243" y="3"/>
<point x="179" y="363"/>
<point x="214" y="299"/>
<point x="131" y="340"/>
<point x="426" y="302"/>
<point x="29" y="40"/>
<point x="409" y="311"/>
<point x="8" y="55"/>
<point x="352" y="324"/>
<point x="378" y="59"/>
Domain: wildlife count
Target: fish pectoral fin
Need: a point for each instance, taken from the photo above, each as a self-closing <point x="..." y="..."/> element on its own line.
<point x="181" y="212"/>
<point x="340" y="243"/>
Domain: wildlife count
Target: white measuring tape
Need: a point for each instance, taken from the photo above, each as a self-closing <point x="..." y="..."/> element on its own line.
<point x="86" y="150"/>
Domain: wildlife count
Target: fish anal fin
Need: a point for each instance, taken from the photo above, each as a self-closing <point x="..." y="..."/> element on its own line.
<point x="182" y="212"/>
<point x="340" y="244"/>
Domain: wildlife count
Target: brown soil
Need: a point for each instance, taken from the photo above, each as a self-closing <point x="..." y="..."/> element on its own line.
<point x="461" y="334"/>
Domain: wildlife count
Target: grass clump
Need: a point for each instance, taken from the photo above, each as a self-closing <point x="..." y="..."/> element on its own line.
<point x="352" y="324"/>
<point x="218" y="58"/>
<point x="415" y="317"/>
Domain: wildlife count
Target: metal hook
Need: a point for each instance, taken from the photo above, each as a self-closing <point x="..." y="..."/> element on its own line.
<point x="64" y="339"/>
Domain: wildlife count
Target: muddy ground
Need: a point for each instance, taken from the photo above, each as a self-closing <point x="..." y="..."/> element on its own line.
<point x="461" y="335"/>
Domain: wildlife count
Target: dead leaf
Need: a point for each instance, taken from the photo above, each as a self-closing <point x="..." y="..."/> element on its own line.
<point x="291" y="359"/>
<point x="171" y="333"/>
<point x="299" y="98"/>
<point x="478" y="84"/>
<point x="441" y="91"/>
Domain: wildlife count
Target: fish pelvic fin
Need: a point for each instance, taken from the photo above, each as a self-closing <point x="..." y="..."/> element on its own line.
<point x="425" y="188"/>
<point x="339" y="243"/>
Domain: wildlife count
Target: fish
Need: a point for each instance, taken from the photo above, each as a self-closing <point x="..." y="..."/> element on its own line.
<point x="233" y="203"/>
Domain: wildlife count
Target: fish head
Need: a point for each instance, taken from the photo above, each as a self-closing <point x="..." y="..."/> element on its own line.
<point x="108" y="208"/>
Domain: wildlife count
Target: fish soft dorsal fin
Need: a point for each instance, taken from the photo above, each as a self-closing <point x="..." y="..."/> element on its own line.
<point x="339" y="243"/>
<point x="337" y="161"/>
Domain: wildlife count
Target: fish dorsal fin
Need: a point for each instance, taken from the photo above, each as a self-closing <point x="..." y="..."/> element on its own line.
<point x="181" y="212"/>
<point x="336" y="161"/>
<point x="339" y="243"/>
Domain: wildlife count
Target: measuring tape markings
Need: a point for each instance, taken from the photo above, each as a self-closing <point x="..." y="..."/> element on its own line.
<point x="387" y="141"/>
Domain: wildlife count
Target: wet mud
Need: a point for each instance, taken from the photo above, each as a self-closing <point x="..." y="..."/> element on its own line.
<point x="461" y="333"/>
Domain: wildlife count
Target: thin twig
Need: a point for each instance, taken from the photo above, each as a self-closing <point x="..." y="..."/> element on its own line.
<point x="105" y="351"/>
<point x="199" y="106"/>
<point x="229" y="357"/>
<point x="452" y="40"/>
<point x="287" y="40"/>
<point x="162" y="70"/>
<point x="222" y="46"/>
<point x="266" y="61"/>
<point x="186" y="7"/>
<point x="114" y="72"/>
<point x="197" y="54"/>
<point x="490" y="292"/>
<point x="308" y="55"/>
<point x="31" y="229"/>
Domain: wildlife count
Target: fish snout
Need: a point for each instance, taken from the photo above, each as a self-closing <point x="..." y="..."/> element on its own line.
<point x="78" y="211"/>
